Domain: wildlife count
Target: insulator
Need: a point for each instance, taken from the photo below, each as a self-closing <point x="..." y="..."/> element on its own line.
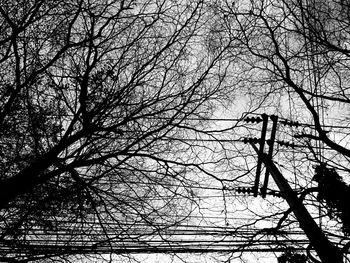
<point x="251" y="140"/>
<point x="290" y="123"/>
<point x="281" y="143"/>
<point x="255" y="140"/>
<point x="244" y="190"/>
<point x="294" y="123"/>
<point x="253" y="119"/>
<point x="286" y="144"/>
<point x="250" y="190"/>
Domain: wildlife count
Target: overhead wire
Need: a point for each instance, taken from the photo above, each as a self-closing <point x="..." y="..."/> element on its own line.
<point x="305" y="124"/>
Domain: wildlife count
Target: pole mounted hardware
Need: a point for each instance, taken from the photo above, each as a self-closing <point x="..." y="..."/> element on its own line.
<point x="290" y="123"/>
<point x="244" y="190"/>
<point x="287" y="144"/>
<point x="326" y="250"/>
<point x="253" y="119"/>
<point x="250" y="140"/>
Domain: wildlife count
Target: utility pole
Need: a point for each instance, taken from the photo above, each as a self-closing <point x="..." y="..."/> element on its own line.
<point x="326" y="251"/>
<point x="271" y="143"/>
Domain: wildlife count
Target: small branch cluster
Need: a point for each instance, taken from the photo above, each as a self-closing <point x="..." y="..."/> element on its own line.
<point x="335" y="193"/>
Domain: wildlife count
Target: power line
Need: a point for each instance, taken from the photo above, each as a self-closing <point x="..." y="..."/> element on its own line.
<point x="282" y="120"/>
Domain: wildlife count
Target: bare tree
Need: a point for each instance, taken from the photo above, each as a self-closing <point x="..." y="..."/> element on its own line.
<point x="96" y="100"/>
<point x="103" y="111"/>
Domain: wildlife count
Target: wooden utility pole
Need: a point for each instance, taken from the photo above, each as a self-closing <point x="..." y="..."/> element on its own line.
<point x="271" y="143"/>
<point x="326" y="251"/>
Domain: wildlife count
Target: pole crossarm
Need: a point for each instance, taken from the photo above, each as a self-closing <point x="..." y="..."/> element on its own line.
<point x="261" y="150"/>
